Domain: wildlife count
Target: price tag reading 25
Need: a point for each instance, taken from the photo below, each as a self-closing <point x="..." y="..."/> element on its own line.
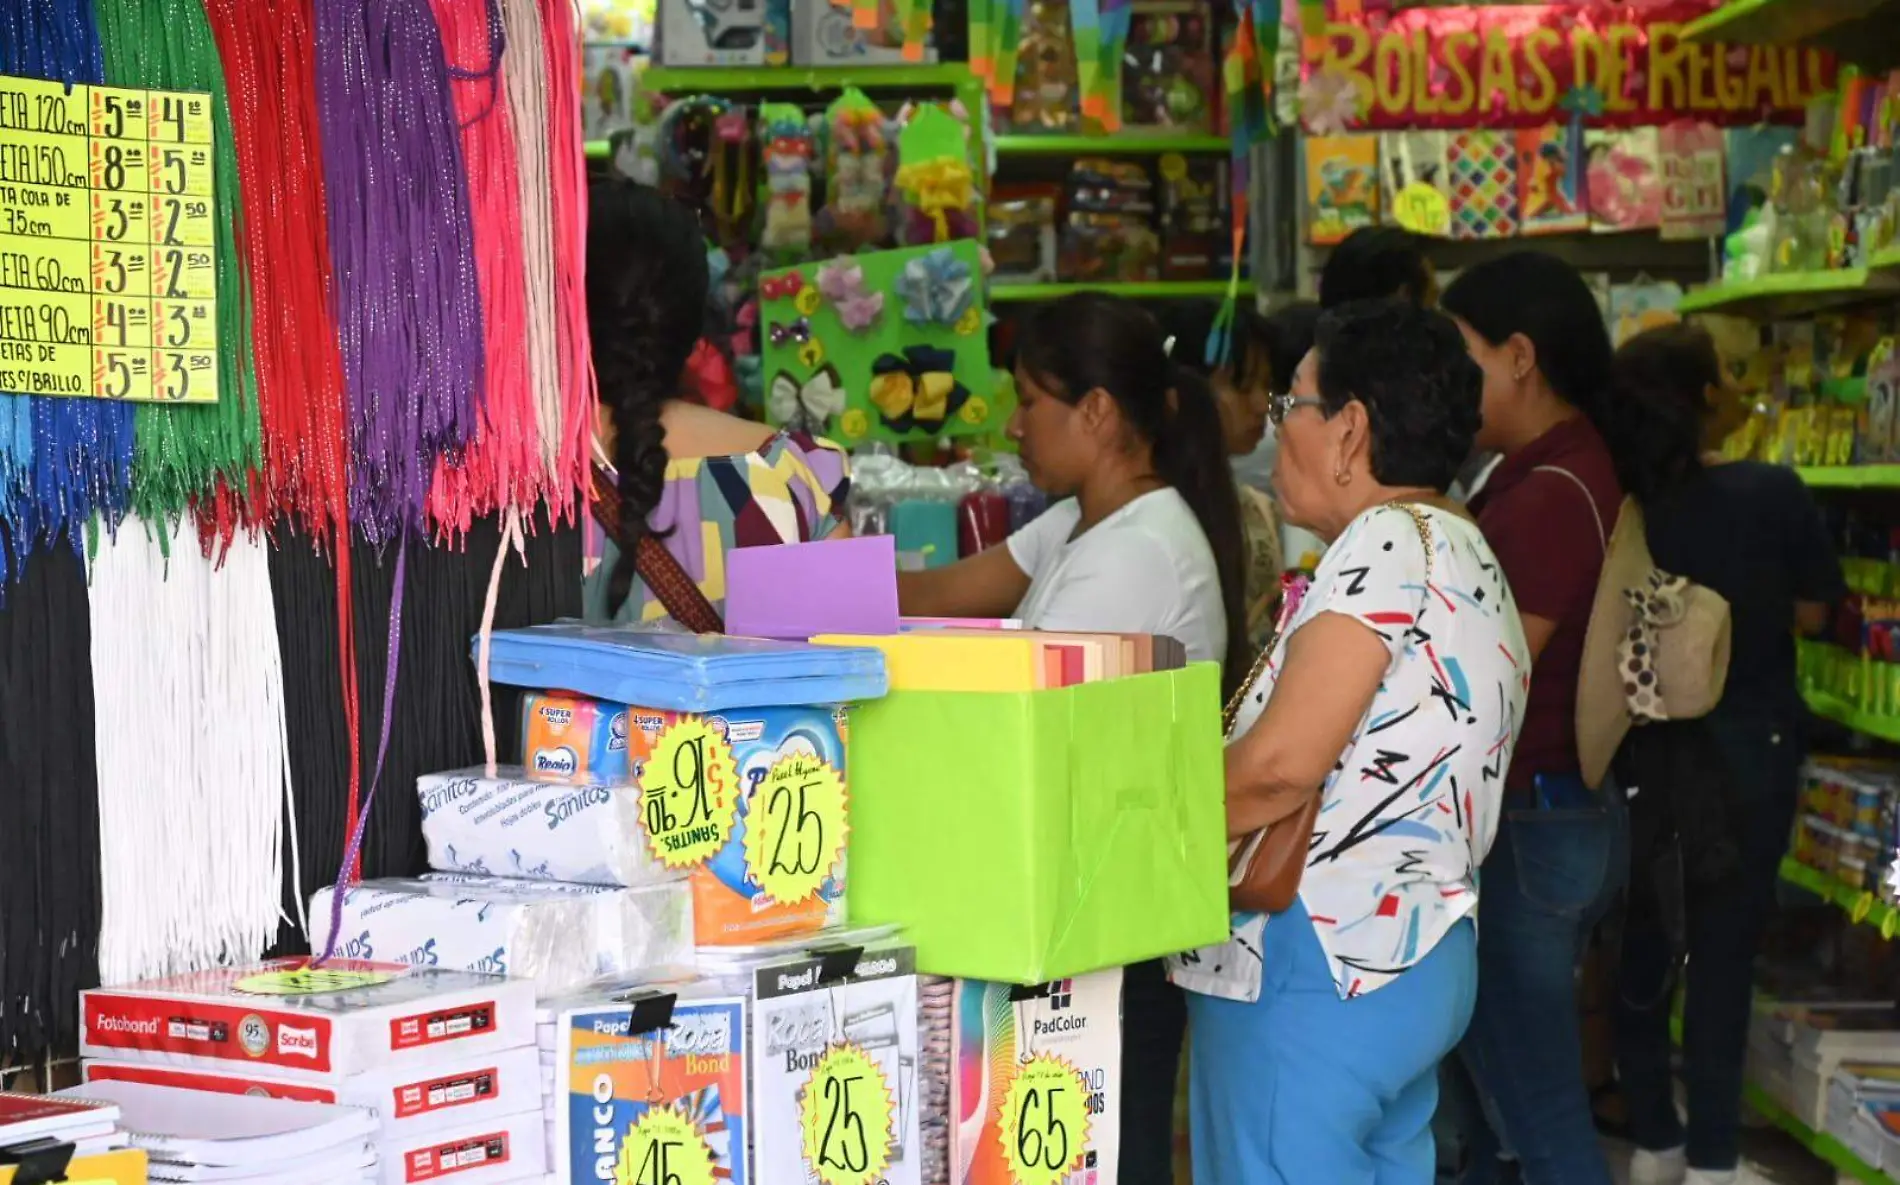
<point x="689" y="794"/>
<point x="845" y="1117"/>
<point x="795" y="828"/>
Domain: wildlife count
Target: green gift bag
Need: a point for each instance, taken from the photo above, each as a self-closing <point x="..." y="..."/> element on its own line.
<point x="1023" y="838"/>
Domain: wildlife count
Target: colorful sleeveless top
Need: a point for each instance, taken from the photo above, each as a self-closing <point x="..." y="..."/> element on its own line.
<point x="792" y="489"/>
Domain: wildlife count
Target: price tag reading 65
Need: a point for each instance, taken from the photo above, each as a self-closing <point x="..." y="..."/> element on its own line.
<point x="795" y="828"/>
<point x="845" y="1118"/>
<point x="688" y="794"/>
<point x="1045" y="1121"/>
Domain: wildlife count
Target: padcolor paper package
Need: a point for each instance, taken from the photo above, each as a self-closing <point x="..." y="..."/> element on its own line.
<point x="836" y="1052"/>
<point x="570" y="738"/>
<point x="493" y="1152"/>
<point x="410" y="1101"/>
<point x="562" y="937"/>
<point x="511" y="825"/>
<point x="608" y="1078"/>
<point x="282" y="1017"/>
<point x="1070" y="1031"/>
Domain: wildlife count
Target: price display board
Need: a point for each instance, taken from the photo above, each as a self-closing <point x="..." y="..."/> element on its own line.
<point x="108" y="266"/>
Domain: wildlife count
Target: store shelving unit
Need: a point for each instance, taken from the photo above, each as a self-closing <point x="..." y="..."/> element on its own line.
<point x="1852" y="477"/>
<point x="1791" y="294"/>
<point x="1030" y="144"/>
<point x="714" y="80"/>
<point x="1778" y="22"/>
<point x="1159" y="290"/>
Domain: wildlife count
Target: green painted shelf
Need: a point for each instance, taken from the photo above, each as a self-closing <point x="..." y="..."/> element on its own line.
<point x="757" y="79"/>
<point x="1160" y="290"/>
<point x="1836" y="1154"/>
<point x="1792" y="293"/>
<point x="1779" y="22"/>
<point x="598" y="149"/>
<point x="1124" y="145"/>
<point x="1852" y="477"/>
<point x="1859" y="904"/>
<point x="1840" y="711"/>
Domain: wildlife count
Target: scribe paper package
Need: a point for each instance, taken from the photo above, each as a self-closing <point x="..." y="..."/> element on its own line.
<point x="998" y="1029"/>
<point x="409" y="1101"/>
<point x="511" y="825"/>
<point x="1088" y="820"/>
<point x="387" y="1015"/>
<point x="510" y="1149"/>
<point x="559" y="936"/>
<point x="680" y="672"/>
<point x="571" y="738"/>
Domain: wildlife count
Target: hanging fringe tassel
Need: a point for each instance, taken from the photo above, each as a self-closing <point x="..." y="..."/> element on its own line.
<point x="561" y="56"/>
<point x="193" y="771"/>
<point x="526" y="81"/>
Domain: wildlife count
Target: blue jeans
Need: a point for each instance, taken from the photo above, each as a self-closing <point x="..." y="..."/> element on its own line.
<point x="1550" y="877"/>
<point x="1301" y="1087"/>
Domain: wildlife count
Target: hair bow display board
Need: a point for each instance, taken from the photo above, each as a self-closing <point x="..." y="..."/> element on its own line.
<point x="888" y="346"/>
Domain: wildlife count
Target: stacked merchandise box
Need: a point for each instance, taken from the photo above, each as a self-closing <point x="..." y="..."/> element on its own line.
<point x="1849" y="811"/>
<point x="444" y="1058"/>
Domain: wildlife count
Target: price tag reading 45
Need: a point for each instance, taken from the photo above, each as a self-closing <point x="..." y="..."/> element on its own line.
<point x="845" y="1116"/>
<point x="1045" y="1121"/>
<point x="664" y="1148"/>
<point x="795" y="828"/>
<point x="689" y="794"/>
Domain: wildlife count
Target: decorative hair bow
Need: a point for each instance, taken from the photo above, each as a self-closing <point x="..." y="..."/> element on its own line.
<point x="810" y="404"/>
<point x="936" y="188"/>
<point x="785" y="335"/>
<point x="937" y="288"/>
<point x="917" y="389"/>
<point x="842" y="282"/>
<point x="783" y="287"/>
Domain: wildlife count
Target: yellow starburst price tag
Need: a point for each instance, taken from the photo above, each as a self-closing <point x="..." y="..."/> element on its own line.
<point x="664" y="1148"/>
<point x="310" y="981"/>
<point x="845" y="1115"/>
<point x="1422" y="209"/>
<point x="689" y="791"/>
<point x="794" y="835"/>
<point x="1045" y="1126"/>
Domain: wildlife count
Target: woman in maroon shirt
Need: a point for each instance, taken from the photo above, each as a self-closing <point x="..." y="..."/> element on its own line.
<point x="1547" y="510"/>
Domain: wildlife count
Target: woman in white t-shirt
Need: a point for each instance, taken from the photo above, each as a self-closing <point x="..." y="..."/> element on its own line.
<point x="1145" y="539"/>
<point x="1394" y="692"/>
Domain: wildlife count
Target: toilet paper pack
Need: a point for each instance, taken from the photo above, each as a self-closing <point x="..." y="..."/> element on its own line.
<point x="508" y="824"/>
<point x="571" y="738"/>
<point x="559" y="936"/>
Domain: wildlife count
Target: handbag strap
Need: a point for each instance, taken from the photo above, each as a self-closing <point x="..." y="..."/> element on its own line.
<point x="657" y="567"/>
<point x="1589" y="499"/>
<point x="1420" y="520"/>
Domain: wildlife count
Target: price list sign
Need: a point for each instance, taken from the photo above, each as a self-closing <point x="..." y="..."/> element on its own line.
<point x="108" y="276"/>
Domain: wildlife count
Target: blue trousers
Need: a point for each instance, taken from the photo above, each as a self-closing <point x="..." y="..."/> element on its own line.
<point x="1549" y="879"/>
<point x="1304" y="1088"/>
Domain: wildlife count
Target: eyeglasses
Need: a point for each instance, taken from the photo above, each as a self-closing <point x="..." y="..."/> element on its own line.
<point x="1281" y="406"/>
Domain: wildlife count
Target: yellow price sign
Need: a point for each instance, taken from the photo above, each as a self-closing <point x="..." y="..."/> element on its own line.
<point x="845" y="1116"/>
<point x="795" y="830"/>
<point x="664" y="1148"/>
<point x="1422" y="209"/>
<point x="1045" y="1126"/>
<point x="689" y="790"/>
<point x="310" y="981"/>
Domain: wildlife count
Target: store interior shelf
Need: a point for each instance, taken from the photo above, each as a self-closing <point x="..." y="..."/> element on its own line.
<point x="1792" y="293"/>
<point x="1159" y="290"/>
<point x="598" y="149"/>
<point x="1862" y="905"/>
<point x="1852" y="477"/>
<point x="1836" y="1154"/>
<point x="760" y="79"/>
<point x="1124" y="145"/>
<point x="1842" y="712"/>
<point x="1777" y="22"/>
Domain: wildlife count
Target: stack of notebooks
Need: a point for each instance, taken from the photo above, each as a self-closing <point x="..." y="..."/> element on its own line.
<point x="90" y="1125"/>
<point x="957" y="658"/>
<point x="242" y="1140"/>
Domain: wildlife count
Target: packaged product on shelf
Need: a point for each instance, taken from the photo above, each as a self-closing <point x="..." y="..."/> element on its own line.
<point x="1482" y="167"/>
<point x="700" y="33"/>
<point x="1045" y="97"/>
<point x="1071" y="1030"/>
<point x="410" y="1102"/>
<point x="1342" y="186"/>
<point x="1109" y="236"/>
<point x="1691" y="193"/>
<point x="511" y="1150"/>
<point x="558" y="936"/>
<point x="1550" y="180"/>
<point x="1859" y="1096"/>
<point x="827" y="34"/>
<point x="1021" y="234"/>
<point x="1079" y="772"/>
<point x="1624" y="179"/>
<point x="510" y="825"/>
<point x="347" y="1017"/>
<point x="570" y="738"/>
<point x="1169" y="79"/>
<point x="1195" y="243"/>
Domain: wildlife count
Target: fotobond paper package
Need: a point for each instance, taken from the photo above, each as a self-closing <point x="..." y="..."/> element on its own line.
<point x="562" y="937"/>
<point x="607" y="1078"/>
<point x="377" y="1015"/>
<point x="810" y="1035"/>
<point x="570" y="738"/>
<point x="493" y="1152"/>
<point x="999" y="1029"/>
<point x="410" y="1101"/>
<point x="512" y="825"/>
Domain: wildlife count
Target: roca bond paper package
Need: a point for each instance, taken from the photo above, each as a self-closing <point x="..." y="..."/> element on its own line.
<point x="1038" y="1081"/>
<point x="571" y="738"/>
<point x="283" y="1017"/>
<point x="509" y="824"/>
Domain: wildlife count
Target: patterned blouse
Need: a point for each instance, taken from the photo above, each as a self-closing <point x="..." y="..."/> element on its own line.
<point x="790" y="490"/>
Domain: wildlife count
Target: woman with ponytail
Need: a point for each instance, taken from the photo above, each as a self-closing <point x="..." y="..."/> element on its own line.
<point x="1146" y="539"/>
<point x="686" y="484"/>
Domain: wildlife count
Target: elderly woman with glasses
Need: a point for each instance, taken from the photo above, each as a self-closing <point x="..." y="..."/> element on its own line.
<point x="1389" y="700"/>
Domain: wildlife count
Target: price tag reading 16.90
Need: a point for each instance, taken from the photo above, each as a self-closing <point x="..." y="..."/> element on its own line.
<point x="689" y="794"/>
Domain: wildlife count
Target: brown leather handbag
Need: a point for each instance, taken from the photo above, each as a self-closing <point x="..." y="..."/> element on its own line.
<point x="1264" y="870"/>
